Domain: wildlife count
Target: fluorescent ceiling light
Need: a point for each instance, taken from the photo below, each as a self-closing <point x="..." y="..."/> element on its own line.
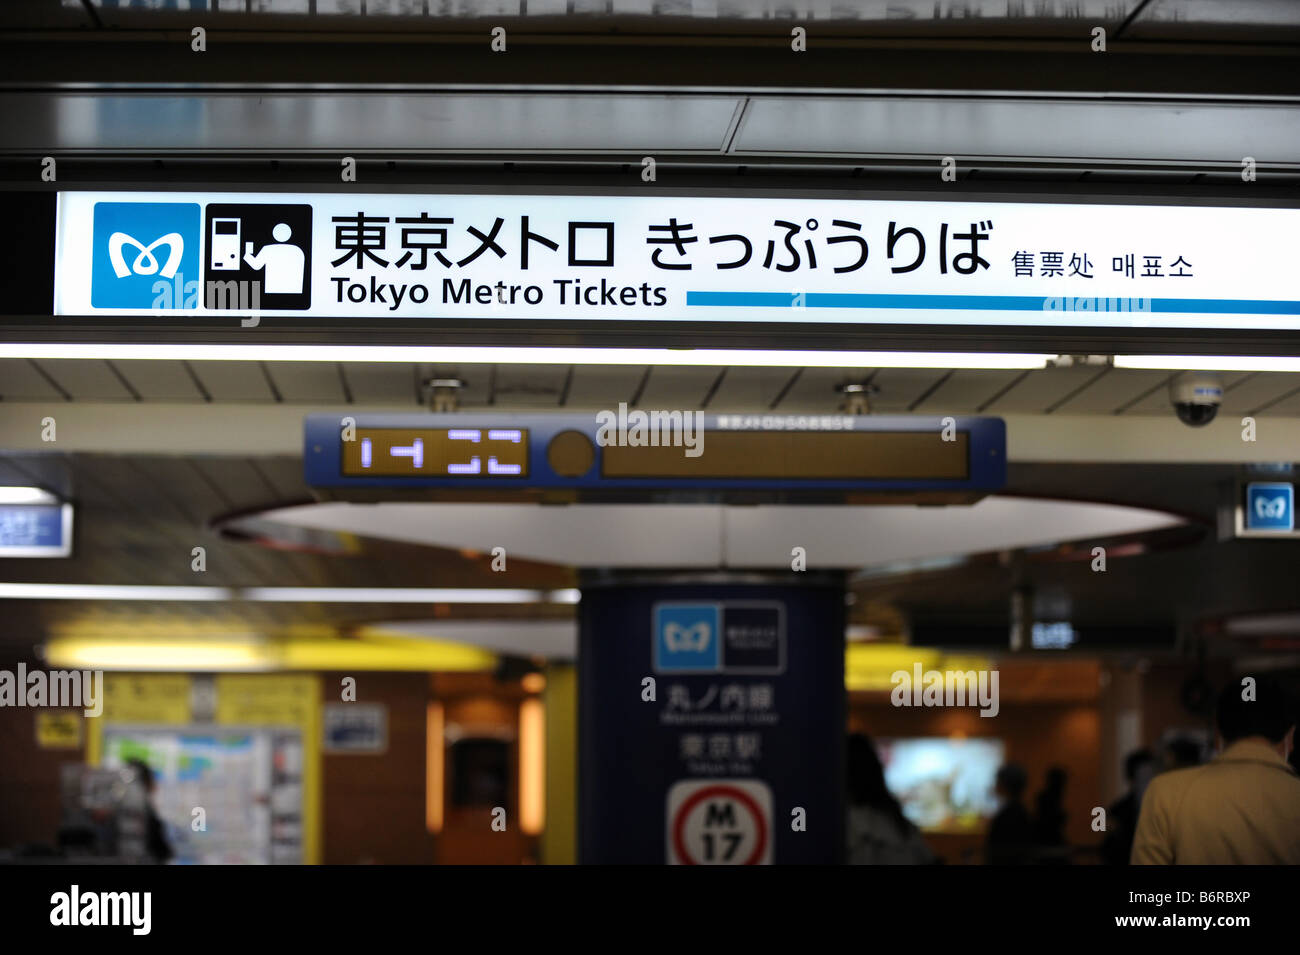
<point x="873" y="666"/>
<point x="26" y="495"/>
<point x="389" y="655"/>
<point x="463" y="595"/>
<point x="714" y="357"/>
<point x="1208" y="362"/>
<point x="404" y="595"/>
<point x="187" y="654"/>
<point x="205" y="655"/>
<point x="110" y="592"/>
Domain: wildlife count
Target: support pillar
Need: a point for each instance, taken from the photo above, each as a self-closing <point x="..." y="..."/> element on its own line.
<point x="711" y="715"/>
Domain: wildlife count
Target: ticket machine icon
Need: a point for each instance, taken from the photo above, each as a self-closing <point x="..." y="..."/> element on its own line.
<point x="223" y="245"/>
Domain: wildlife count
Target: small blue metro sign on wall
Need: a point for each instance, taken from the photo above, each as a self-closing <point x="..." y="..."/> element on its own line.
<point x="687" y="638"/>
<point x="727" y="637"/>
<point x="1270" y="506"/>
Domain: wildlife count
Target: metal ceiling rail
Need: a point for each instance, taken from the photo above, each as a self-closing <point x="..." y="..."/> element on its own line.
<point x="892" y="130"/>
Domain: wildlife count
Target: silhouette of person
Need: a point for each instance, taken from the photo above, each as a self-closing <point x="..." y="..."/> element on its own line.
<point x="155" y="842"/>
<point x="1010" y="834"/>
<point x="283" y="265"/>
<point x="1049" y="810"/>
<point x="1122" y="815"/>
<point x="1181" y="752"/>
<point x="878" y="832"/>
<point x="1242" y="807"/>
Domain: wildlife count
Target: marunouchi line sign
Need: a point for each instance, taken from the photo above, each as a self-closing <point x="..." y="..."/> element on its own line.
<point x="667" y="258"/>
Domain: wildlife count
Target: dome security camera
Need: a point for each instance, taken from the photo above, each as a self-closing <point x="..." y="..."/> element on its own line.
<point x="1196" y="397"/>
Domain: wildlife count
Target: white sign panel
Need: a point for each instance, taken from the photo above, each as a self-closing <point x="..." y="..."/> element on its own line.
<point x="355" y="727"/>
<point x="661" y="258"/>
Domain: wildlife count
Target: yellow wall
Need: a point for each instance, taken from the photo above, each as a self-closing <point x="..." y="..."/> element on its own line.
<point x="560" y="837"/>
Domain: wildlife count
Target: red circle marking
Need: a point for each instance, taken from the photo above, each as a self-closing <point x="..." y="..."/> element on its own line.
<point x="684" y="810"/>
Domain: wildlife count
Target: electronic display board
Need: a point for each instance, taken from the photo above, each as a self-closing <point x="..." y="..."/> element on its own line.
<point x="655" y="450"/>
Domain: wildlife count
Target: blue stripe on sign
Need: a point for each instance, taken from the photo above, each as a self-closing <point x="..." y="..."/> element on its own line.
<point x="999" y="303"/>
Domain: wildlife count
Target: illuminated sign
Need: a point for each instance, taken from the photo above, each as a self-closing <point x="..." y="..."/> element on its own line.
<point x="454" y="452"/>
<point x="36" y="530"/>
<point x="674" y="258"/>
<point x="1053" y="636"/>
<point x="732" y="451"/>
<point x="1266" y="509"/>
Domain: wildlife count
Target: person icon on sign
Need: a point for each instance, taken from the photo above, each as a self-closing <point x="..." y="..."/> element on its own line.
<point x="283" y="264"/>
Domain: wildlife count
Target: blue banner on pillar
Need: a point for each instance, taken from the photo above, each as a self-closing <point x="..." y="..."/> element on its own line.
<point x="737" y="758"/>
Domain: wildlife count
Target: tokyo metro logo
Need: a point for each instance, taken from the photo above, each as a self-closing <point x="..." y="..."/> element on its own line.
<point x="686" y="638"/>
<point x="1270" y="506"/>
<point x="139" y="244"/>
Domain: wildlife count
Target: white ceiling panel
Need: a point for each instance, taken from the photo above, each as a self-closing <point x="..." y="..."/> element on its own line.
<point x="381" y="382"/>
<point x="233" y="380"/>
<point x="307" y="381"/>
<point x="1084" y="390"/>
<point x="672" y="387"/>
<point x="599" y="387"/>
<point x="900" y="388"/>
<point x="1288" y="406"/>
<point x="20" y="381"/>
<point x="529" y="386"/>
<point x="1112" y="391"/>
<point x="1040" y="390"/>
<point x="1255" y="391"/>
<point x="749" y="389"/>
<point x="86" y="380"/>
<point x="817" y="389"/>
<point x="965" y="391"/>
<point x="159" y="380"/>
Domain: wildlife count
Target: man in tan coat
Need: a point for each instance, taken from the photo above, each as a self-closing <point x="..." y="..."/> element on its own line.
<point x="1242" y="808"/>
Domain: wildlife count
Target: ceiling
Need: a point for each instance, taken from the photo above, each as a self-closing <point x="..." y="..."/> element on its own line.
<point x="1186" y="89"/>
<point x="1078" y="390"/>
<point x="1145" y="19"/>
<point x="1075" y="133"/>
<point x="139" y="518"/>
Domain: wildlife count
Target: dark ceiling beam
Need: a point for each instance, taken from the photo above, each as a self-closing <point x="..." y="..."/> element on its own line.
<point x="676" y="63"/>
